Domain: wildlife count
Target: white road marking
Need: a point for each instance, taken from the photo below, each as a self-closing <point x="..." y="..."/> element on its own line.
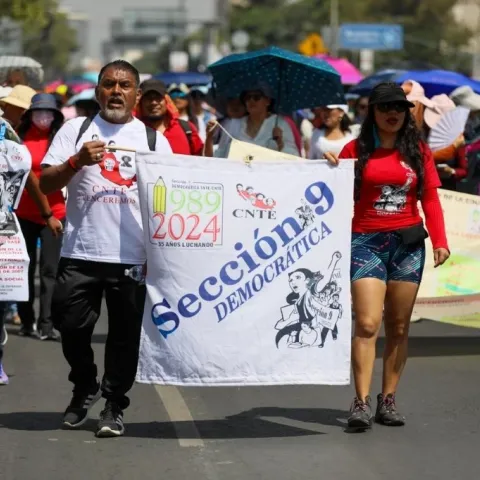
<point x="179" y="413"/>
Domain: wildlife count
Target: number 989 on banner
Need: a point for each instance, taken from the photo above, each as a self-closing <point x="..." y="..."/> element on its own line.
<point x="186" y="214"/>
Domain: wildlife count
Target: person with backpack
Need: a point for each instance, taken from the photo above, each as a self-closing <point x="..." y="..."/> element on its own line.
<point x="157" y="110"/>
<point x="103" y="239"/>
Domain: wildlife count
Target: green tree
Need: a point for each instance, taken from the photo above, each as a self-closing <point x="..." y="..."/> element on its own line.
<point x="47" y="37"/>
<point x="431" y="32"/>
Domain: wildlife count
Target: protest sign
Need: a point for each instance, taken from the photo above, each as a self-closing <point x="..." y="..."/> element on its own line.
<point x="15" y="163"/>
<point x="451" y="293"/>
<point x="250" y="152"/>
<point x="248" y="271"/>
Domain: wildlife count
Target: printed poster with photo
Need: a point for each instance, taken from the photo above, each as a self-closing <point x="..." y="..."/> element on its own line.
<point x="15" y="164"/>
<point x="451" y="293"/>
<point x="248" y="271"/>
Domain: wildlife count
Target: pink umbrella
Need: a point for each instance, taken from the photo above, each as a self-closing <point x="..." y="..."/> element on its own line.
<point x="52" y="86"/>
<point x="78" y="87"/>
<point x="350" y="75"/>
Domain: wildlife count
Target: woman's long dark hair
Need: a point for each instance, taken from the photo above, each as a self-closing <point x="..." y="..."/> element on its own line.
<point x="409" y="143"/>
<point x="345" y="124"/>
<point x="192" y="118"/>
<point x="26" y="124"/>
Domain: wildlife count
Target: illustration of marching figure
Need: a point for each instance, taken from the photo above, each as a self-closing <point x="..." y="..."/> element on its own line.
<point x="305" y="214"/>
<point x="393" y="197"/>
<point x="313" y="308"/>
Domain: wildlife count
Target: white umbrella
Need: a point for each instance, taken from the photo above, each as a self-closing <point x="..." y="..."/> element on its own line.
<point x="33" y="70"/>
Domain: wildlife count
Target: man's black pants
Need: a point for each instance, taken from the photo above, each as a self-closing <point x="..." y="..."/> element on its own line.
<point x="75" y="310"/>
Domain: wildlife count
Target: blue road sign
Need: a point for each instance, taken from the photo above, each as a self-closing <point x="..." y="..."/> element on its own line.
<point x="356" y="36"/>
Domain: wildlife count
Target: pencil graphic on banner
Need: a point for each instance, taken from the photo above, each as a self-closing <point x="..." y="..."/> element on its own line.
<point x="160" y="197"/>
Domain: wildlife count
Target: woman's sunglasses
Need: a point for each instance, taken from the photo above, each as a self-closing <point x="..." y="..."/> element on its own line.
<point x="256" y="97"/>
<point x="399" y="107"/>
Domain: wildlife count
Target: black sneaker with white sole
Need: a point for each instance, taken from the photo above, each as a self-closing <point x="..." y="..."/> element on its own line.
<point x="51" y="335"/>
<point x="111" y="421"/>
<point x="76" y="413"/>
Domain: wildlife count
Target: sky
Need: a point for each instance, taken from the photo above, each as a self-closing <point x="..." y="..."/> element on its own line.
<point x="101" y="12"/>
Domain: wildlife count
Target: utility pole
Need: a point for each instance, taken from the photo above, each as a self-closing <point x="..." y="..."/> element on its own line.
<point x="334" y="24"/>
<point x="223" y="14"/>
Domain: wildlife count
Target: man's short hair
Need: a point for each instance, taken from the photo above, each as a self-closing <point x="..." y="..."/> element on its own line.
<point x="121" y="65"/>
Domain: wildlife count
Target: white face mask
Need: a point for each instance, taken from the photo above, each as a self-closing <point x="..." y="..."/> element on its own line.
<point x="42" y="119"/>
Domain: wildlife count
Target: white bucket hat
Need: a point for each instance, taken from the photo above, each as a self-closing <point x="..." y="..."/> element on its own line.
<point x="466" y="97"/>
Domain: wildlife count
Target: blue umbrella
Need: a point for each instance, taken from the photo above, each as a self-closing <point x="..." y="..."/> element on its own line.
<point x="90" y="77"/>
<point x="296" y="81"/>
<point x="364" y="87"/>
<point x="436" y="82"/>
<point x="189" y="78"/>
<point x="88" y="94"/>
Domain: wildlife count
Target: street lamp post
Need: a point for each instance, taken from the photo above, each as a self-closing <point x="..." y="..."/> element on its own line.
<point x="334" y="14"/>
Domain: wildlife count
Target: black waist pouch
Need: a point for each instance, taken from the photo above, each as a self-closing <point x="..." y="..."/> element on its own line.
<point x="412" y="235"/>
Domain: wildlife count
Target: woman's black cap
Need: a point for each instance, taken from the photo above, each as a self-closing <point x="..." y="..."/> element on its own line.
<point x="388" y="93"/>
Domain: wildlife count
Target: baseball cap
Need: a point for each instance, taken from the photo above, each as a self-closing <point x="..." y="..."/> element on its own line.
<point x="152" y="85"/>
<point x="387" y="92"/>
<point x="342" y="107"/>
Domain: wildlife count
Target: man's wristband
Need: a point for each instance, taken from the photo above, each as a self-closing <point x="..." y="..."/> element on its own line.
<point x="47" y="216"/>
<point x="72" y="165"/>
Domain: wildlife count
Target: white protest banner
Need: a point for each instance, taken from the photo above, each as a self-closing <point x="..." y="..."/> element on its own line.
<point x="248" y="271"/>
<point x="15" y="163"/>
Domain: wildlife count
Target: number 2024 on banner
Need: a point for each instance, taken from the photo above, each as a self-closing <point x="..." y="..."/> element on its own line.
<point x="186" y="214"/>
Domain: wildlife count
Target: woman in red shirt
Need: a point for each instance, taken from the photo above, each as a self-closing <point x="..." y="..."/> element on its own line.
<point x="394" y="170"/>
<point x="37" y="128"/>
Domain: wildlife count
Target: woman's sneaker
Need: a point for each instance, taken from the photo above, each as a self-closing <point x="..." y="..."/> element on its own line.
<point x="3" y="376"/>
<point x="3" y="336"/>
<point x="111" y="421"/>
<point x="26" y="331"/>
<point x="387" y="411"/>
<point x="360" y="414"/>
<point x="76" y="413"/>
<point x="51" y="335"/>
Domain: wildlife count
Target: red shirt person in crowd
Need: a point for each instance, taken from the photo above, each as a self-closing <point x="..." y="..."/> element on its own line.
<point x="157" y="110"/>
<point x="394" y="170"/>
<point x="38" y="126"/>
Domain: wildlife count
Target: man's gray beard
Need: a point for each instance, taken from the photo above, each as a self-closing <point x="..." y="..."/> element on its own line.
<point x="114" y="115"/>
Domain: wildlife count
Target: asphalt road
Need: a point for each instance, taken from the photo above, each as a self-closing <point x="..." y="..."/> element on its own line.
<point x="271" y="433"/>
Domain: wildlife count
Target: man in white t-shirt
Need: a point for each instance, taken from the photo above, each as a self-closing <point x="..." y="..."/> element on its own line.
<point x="103" y="238"/>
